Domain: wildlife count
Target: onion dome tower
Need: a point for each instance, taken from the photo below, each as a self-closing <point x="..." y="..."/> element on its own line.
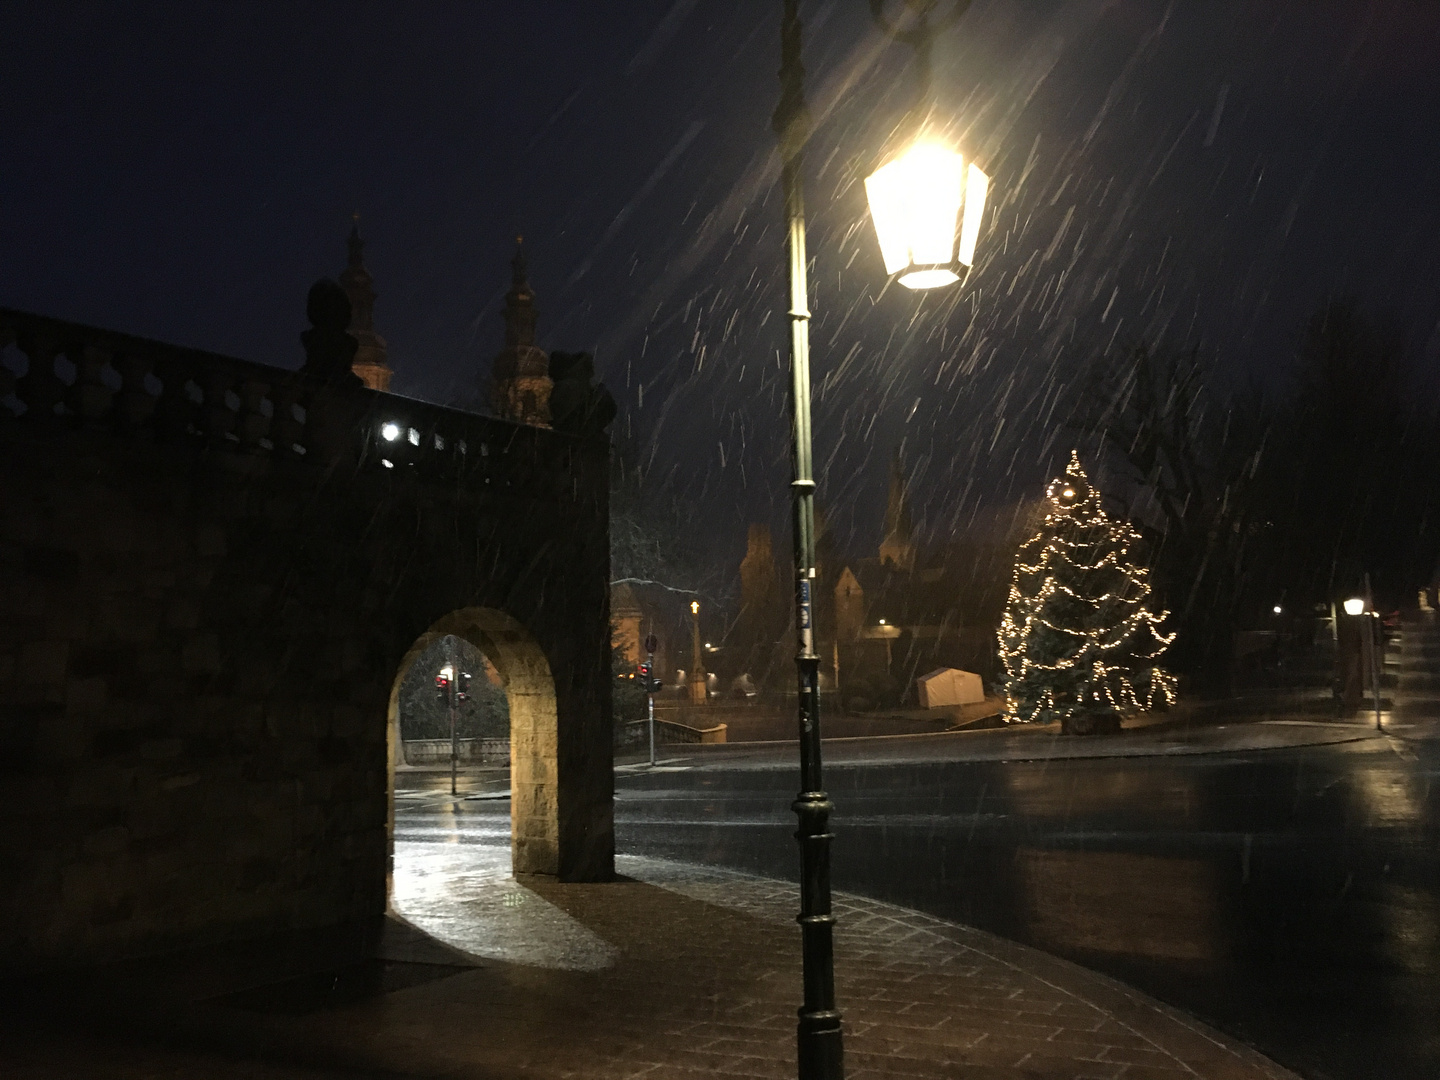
<point x="520" y="381"/>
<point x="370" y="358"/>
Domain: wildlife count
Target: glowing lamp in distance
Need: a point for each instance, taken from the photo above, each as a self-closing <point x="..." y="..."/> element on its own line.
<point x="1354" y="606"/>
<point x="916" y="202"/>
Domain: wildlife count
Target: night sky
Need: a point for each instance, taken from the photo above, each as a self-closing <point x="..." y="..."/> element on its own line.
<point x="1191" y="172"/>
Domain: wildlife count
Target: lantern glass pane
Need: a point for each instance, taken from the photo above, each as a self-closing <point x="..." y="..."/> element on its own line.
<point x="976" y="186"/>
<point x="914" y="202"/>
<point x="932" y="278"/>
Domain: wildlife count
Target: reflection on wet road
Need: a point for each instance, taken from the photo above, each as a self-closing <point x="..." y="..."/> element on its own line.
<point x="1289" y="896"/>
<point x="1286" y="896"/>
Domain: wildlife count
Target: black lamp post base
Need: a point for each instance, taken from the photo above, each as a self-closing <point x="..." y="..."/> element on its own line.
<point x="818" y="1038"/>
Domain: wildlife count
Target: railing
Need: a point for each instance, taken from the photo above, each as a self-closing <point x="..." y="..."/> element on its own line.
<point x="54" y="372"/>
<point x="637" y="732"/>
<point x="437" y="751"/>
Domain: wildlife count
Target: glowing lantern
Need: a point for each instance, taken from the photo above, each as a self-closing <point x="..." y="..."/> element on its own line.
<point x="1354" y="606"/>
<point x="916" y="201"/>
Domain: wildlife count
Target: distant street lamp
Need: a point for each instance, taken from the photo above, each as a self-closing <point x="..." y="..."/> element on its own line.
<point x="916" y="202"/>
<point x="698" y="686"/>
<point x="453" y="686"/>
<point x="1371" y="644"/>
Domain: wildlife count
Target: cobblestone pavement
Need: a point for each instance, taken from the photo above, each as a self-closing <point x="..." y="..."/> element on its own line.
<point x="700" y="975"/>
<point x="673" y="971"/>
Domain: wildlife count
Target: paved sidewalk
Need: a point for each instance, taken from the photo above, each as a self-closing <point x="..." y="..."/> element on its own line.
<point x="676" y="971"/>
<point x="685" y="970"/>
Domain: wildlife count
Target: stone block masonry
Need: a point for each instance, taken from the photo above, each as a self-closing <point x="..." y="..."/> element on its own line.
<point x="209" y="579"/>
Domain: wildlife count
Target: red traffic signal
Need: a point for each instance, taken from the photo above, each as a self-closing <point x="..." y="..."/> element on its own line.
<point x="648" y="682"/>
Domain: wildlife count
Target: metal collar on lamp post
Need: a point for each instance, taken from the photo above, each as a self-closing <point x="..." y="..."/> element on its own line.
<point x="916" y="202"/>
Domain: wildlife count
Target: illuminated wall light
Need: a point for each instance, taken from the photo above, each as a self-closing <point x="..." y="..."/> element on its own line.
<point x="390" y="432"/>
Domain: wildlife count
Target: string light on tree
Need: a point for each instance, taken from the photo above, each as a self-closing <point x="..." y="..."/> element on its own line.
<point x="1077" y="640"/>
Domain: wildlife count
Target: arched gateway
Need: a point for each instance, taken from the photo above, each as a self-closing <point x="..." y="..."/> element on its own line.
<point x="534" y="732"/>
<point x="212" y="572"/>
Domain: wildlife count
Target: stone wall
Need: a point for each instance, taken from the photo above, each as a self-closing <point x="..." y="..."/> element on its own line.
<point x="210" y="573"/>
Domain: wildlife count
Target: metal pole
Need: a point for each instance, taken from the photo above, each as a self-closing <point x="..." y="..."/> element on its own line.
<point x="818" y="1038"/>
<point x="650" y="705"/>
<point x="1376" y="638"/>
<point x="450" y="704"/>
<point x="699" y="688"/>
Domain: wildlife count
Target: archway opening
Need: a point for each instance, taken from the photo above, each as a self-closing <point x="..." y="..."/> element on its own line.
<point x="503" y="646"/>
<point x="467" y="740"/>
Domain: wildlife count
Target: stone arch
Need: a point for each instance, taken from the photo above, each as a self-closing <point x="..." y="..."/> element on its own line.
<point x="534" y="729"/>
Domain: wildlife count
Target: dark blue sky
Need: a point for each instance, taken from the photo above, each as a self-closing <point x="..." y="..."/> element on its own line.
<point x="1204" y="171"/>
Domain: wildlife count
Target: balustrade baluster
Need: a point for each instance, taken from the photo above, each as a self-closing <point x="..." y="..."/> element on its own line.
<point x="286" y="432"/>
<point x="135" y="404"/>
<point x="254" y="425"/>
<point x="89" y="397"/>
<point x="41" y="389"/>
<point x="220" y="419"/>
<point x="177" y="410"/>
<point x="8" y="379"/>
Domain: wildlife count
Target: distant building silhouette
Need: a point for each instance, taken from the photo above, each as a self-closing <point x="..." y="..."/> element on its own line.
<point x="626" y="619"/>
<point x="520" y="381"/>
<point x="370" y="361"/>
<point x="898" y="546"/>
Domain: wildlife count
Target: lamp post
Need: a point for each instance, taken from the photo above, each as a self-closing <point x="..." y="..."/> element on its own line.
<point x="453" y="686"/>
<point x="916" y="201"/>
<point x="1361" y="608"/>
<point x="1375" y="638"/>
<point x="698" y="688"/>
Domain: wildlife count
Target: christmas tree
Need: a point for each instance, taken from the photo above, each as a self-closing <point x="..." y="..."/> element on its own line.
<point x="1077" y="640"/>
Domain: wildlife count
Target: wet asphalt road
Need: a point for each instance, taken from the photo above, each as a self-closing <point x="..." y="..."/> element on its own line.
<point x="1290" y="897"/>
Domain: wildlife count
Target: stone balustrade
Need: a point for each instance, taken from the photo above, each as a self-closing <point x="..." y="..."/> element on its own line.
<point x="56" y="372"/>
<point x="213" y="574"/>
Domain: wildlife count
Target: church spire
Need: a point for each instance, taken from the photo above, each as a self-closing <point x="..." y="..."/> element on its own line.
<point x="898" y="546"/>
<point x="520" y="313"/>
<point x="520" y="376"/>
<point x="371" y="358"/>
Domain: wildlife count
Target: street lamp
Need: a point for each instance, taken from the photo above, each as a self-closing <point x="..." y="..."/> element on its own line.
<point x="1355" y="606"/>
<point x="698" y="689"/>
<point x="916" y="200"/>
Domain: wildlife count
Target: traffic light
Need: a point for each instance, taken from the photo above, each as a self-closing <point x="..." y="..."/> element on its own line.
<point x="648" y="682"/>
<point x="442" y="682"/>
<point x="463" y="686"/>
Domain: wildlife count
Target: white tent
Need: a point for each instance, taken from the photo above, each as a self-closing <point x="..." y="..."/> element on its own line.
<point x="948" y="686"/>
